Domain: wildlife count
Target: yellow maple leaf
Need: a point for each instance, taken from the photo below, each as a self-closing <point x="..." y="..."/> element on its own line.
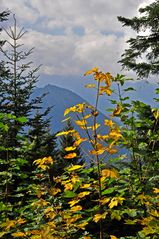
<point x="87" y="116"/>
<point x="83" y="194"/>
<point x="68" y="186"/>
<point x="98" y="216"/>
<point x="82" y="225"/>
<point x="64" y="120"/>
<point x="156" y="190"/>
<point x="44" y="162"/>
<point x="111" y="150"/>
<point x="98" y="149"/>
<point x="76" y="208"/>
<point x="97" y="152"/>
<point x="71" y="148"/>
<point x="75" y="167"/>
<point x="109" y="173"/>
<point x="53" y="191"/>
<point x="105" y="89"/>
<point x="117" y="110"/>
<point x="81" y="122"/>
<point x="96" y="126"/>
<point x="90" y="86"/>
<point x="94" y="70"/>
<point x="86" y="185"/>
<point x="70" y="156"/>
<point x="103" y="201"/>
<point x="68" y="110"/>
<point x="18" y="234"/>
<point x="65" y="132"/>
<point x="113" y="237"/>
<point x="109" y="123"/>
<point x="115" y="201"/>
<point x="79" y="141"/>
<point x="21" y="221"/>
<point x="155" y="112"/>
<point x="87" y="237"/>
<point x="8" y="224"/>
<point x="102" y="137"/>
<point x="108" y="78"/>
<point x="75" y="179"/>
<point x="71" y="220"/>
<point x="73" y="202"/>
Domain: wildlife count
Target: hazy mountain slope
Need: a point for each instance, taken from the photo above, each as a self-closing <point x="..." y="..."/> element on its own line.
<point x="60" y="99"/>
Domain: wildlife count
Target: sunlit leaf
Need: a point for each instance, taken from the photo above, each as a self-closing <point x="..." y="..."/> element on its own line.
<point x="76" y="208"/>
<point x="64" y="120"/>
<point x="90" y="86"/>
<point x="70" y="148"/>
<point x="73" y="202"/>
<point x="156" y="190"/>
<point x="109" y="123"/>
<point x="70" y="156"/>
<point x="117" y="110"/>
<point x="113" y="237"/>
<point x="83" y="194"/>
<point x="94" y="70"/>
<point x="18" y="234"/>
<point x="109" y="173"/>
<point x="98" y="217"/>
<point x="82" y="225"/>
<point x="115" y="201"/>
<point x="75" y="167"/>
<point x="65" y="132"/>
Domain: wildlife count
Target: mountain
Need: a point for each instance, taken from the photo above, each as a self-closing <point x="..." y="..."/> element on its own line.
<point x="144" y="90"/>
<point x="60" y="99"/>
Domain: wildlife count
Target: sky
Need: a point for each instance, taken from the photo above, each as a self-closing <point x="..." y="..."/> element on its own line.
<point x="72" y="36"/>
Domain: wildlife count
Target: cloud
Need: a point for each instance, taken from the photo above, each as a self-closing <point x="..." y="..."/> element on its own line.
<point x="71" y="36"/>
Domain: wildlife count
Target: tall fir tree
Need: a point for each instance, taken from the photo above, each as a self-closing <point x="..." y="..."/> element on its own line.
<point x="17" y="86"/>
<point x="16" y="103"/>
<point x="142" y="56"/>
<point x="68" y="141"/>
<point x="3" y="17"/>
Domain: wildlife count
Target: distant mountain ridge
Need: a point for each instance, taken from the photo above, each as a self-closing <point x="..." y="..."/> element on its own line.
<point x="60" y="98"/>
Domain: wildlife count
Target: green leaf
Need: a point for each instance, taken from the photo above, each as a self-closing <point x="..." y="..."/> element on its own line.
<point x="69" y="194"/>
<point x="22" y="119"/>
<point x="157" y="91"/>
<point x="129" y="89"/>
<point x="108" y="191"/>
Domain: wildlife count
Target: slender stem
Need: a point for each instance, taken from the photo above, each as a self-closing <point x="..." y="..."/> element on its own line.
<point x="98" y="159"/>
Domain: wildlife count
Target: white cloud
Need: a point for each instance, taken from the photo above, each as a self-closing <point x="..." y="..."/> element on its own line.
<point x="70" y="53"/>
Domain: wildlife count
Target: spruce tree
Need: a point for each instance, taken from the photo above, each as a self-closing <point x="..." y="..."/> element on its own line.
<point x="3" y="17"/>
<point x="142" y="56"/>
<point x="68" y="141"/>
<point x="18" y="106"/>
<point x="17" y="85"/>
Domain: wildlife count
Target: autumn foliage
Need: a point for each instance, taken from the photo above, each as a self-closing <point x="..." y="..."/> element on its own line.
<point x="113" y="195"/>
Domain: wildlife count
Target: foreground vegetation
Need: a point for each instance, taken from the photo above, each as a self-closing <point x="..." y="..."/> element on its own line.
<point x="103" y="199"/>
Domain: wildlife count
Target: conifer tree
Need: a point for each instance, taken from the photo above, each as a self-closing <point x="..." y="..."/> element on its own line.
<point x="142" y="56"/>
<point x="42" y="140"/>
<point x="17" y="86"/>
<point x="68" y="141"/>
<point x="3" y="17"/>
<point x="16" y="102"/>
